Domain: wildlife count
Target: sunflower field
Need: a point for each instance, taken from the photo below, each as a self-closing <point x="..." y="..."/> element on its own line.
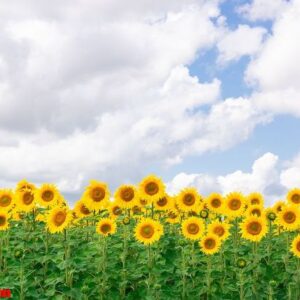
<point x="141" y="243"/>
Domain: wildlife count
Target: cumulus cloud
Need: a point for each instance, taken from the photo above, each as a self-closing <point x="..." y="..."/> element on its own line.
<point x="265" y="177"/>
<point x="244" y="40"/>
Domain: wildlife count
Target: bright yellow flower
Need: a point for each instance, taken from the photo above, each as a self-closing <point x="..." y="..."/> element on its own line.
<point x="25" y="185"/>
<point x="255" y="210"/>
<point x="165" y="203"/>
<point x="253" y="228"/>
<point x="151" y="189"/>
<point x="293" y="196"/>
<point x="215" y="203"/>
<point x="126" y="196"/>
<point x="58" y="219"/>
<point x="295" y="248"/>
<point x="188" y="200"/>
<point x="148" y="231"/>
<point x="81" y="210"/>
<point x="210" y="244"/>
<point x="47" y="195"/>
<point x="255" y="199"/>
<point x="234" y="204"/>
<point x="220" y="229"/>
<point x="106" y="227"/>
<point x="193" y="228"/>
<point x="289" y="217"/>
<point x="4" y="224"/>
<point x="7" y="200"/>
<point x="25" y="200"/>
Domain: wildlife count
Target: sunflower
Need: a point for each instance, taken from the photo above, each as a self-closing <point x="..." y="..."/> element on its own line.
<point x="210" y="244"/>
<point x="270" y="213"/>
<point x="151" y="188"/>
<point x="253" y="228"/>
<point x="220" y="229"/>
<point x="47" y="195"/>
<point x="215" y="202"/>
<point x="293" y="196"/>
<point x="255" y="199"/>
<point x="4" y="224"/>
<point x="193" y="228"/>
<point x="126" y="196"/>
<point x="96" y="195"/>
<point x="295" y="248"/>
<point x="188" y="200"/>
<point x="234" y="204"/>
<point x="278" y="206"/>
<point x="25" y="200"/>
<point x="289" y="217"/>
<point x="24" y="184"/>
<point x="148" y="231"/>
<point x="58" y="219"/>
<point x="81" y="210"/>
<point x="173" y="216"/>
<point x="106" y="227"/>
<point x="165" y="203"/>
<point x="7" y="200"/>
<point x="255" y="210"/>
<point x="114" y="210"/>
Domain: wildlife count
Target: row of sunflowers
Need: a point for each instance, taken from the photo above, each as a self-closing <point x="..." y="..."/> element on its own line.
<point x="227" y="235"/>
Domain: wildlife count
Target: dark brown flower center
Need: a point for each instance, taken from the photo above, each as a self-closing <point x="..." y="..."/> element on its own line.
<point x="235" y="204"/>
<point x="151" y="188"/>
<point x="60" y="218"/>
<point x="210" y="243"/>
<point x="298" y="246"/>
<point x="254" y="201"/>
<point x="289" y="217"/>
<point x="136" y="209"/>
<point x="172" y="215"/>
<point x="98" y="194"/>
<point x="2" y="220"/>
<point x="47" y="196"/>
<point x="254" y="228"/>
<point x="256" y="212"/>
<point x="84" y="210"/>
<point x="28" y="198"/>
<point x="116" y="210"/>
<point x="5" y="201"/>
<point x="219" y="230"/>
<point x="189" y="199"/>
<point x="127" y="194"/>
<point x="216" y="203"/>
<point x="295" y="198"/>
<point x="105" y="228"/>
<point x="162" y="202"/>
<point x="193" y="228"/>
<point x="147" y="231"/>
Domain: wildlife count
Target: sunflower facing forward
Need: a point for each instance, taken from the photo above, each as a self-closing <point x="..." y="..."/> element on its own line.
<point x="151" y="189"/>
<point x="58" y="219"/>
<point x="106" y="227"/>
<point x="255" y="199"/>
<point x="126" y="196"/>
<point x="253" y="228"/>
<point x="293" y="196"/>
<point x="25" y="200"/>
<point x="289" y="217"/>
<point x="4" y="224"/>
<point x="148" y="231"/>
<point x="295" y="249"/>
<point x="210" y="244"/>
<point x="81" y="210"/>
<point x="165" y="203"/>
<point x="47" y="195"/>
<point x="6" y="199"/>
<point x="234" y="205"/>
<point x="188" y="200"/>
<point x="220" y="229"/>
<point x="215" y="202"/>
<point x="193" y="228"/>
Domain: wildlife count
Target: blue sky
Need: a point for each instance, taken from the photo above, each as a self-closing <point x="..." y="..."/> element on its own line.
<point x="201" y="93"/>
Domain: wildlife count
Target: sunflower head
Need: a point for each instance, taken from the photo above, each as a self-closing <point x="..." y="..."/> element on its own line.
<point x="255" y="199"/>
<point x="253" y="228"/>
<point x="148" y="231"/>
<point x="25" y="200"/>
<point x="47" y="195"/>
<point x="106" y="227"/>
<point x="7" y="199"/>
<point x="4" y="224"/>
<point x="289" y="217"/>
<point x="151" y="188"/>
<point x="126" y="196"/>
<point x="210" y="244"/>
<point x="81" y="210"/>
<point x="215" y="202"/>
<point x="96" y="195"/>
<point x="278" y="206"/>
<point x="295" y="248"/>
<point x="255" y="210"/>
<point x="220" y="229"/>
<point x="58" y="219"/>
<point x="165" y="203"/>
<point x="293" y="196"/>
<point x="270" y="214"/>
<point x="173" y="216"/>
<point x="188" y="200"/>
<point x="25" y="185"/>
<point x="234" y="204"/>
<point x="193" y="228"/>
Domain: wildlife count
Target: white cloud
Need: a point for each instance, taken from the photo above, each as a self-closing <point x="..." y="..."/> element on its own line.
<point x="276" y="71"/>
<point x="263" y="9"/>
<point x="265" y="177"/>
<point x="290" y="176"/>
<point x="244" y="40"/>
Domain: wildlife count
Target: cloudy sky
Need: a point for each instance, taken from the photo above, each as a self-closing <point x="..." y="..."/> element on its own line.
<point x="201" y="93"/>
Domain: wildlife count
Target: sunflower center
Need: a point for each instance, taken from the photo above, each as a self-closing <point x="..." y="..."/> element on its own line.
<point x="127" y="194"/>
<point x="5" y="201"/>
<point x="235" y="204"/>
<point x="143" y="201"/>
<point x="254" y="228"/>
<point x="296" y="198"/>
<point x="2" y="220"/>
<point x="298" y="246"/>
<point x="60" y="218"/>
<point x="27" y="198"/>
<point x="289" y="217"/>
<point x="105" y="228"/>
<point x="116" y="210"/>
<point x="256" y="212"/>
<point x="210" y="243"/>
<point x="172" y="215"/>
<point x="147" y="231"/>
<point x="162" y="202"/>
<point x="189" y="199"/>
<point x="47" y="196"/>
<point x="136" y="209"/>
<point x="219" y="230"/>
<point x="216" y="203"/>
<point x="254" y="201"/>
<point x="193" y="228"/>
<point x="151" y="188"/>
<point x="98" y="194"/>
<point x="84" y="210"/>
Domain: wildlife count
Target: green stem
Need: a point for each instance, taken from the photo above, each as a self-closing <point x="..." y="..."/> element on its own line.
<point x="22" y="294"/>
<point x="183" y="272"/>
<point x="123" y="259"/>
<point x="208" y="278"/>
<point x="150" y="271"/>
<point x="241" y="279"/>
